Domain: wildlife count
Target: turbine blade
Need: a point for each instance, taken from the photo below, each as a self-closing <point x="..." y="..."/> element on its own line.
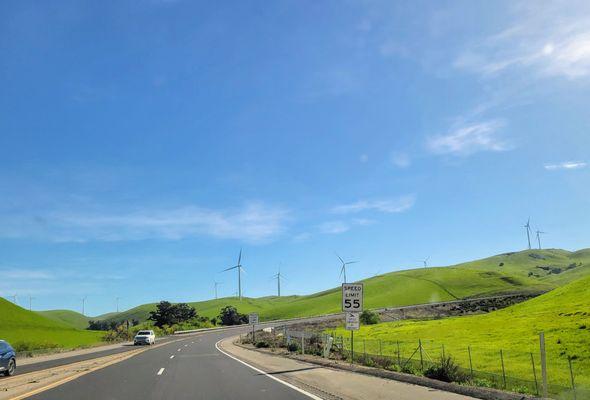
<point x="340" y="258"/>
<point x="351" y="262"/>
<point x="240" y="257"/>
<point x="230" y="268"/>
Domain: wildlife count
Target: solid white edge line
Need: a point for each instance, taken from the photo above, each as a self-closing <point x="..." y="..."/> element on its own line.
<point x="171" y="357"/>
<point x="161" y="371"/>
<point x="313" y="396"/>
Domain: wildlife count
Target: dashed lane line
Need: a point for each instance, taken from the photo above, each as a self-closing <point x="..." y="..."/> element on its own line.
<point x="161" y="371"/>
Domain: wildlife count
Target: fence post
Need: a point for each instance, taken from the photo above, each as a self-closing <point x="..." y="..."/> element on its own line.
<point x="399" y="358"/>
<point x="380" y="349"/>
<point x="351" y="347"/>
<point x="470" y="362"/>
<point x="443" y="351"/>
<point x="543" y="364"/>
<point x="303" y="343"/>
<point x="503" y="371"/>
<point x="364" y="351"/>
<point x="421" y="356"/>
<point x="535" y="375"/>
<point x="569" y="360"/>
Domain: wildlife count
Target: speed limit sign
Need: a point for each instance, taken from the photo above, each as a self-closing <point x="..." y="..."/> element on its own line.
<point x="352" y="297"/>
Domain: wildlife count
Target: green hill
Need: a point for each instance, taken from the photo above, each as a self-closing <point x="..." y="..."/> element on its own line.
<point x="68" y="317"/>
<point x="525" y="271"/>
<point x="29" y="330"/>
<point x="563" y="314"/>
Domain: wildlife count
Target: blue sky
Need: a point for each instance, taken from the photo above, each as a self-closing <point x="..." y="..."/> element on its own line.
<point x="143" y="143"/>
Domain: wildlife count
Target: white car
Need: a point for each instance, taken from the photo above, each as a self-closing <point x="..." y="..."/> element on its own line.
<point x="144" y="337"/>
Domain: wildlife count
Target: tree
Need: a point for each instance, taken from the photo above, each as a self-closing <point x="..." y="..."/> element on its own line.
<point x="369" y="318"/>
<point x="229" y="315"/>
<point x="170" y="314"/>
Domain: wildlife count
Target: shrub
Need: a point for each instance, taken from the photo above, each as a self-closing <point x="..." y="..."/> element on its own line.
<point x="445" y="370"/>
<point x="262" y="344"/>
<point x="293" y="347"/>
<point x="369" y="318"/>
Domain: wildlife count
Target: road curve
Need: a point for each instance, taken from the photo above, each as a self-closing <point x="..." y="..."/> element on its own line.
<point x="191" y="368"/>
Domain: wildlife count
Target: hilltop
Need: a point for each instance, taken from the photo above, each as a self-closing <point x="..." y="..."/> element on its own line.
<point x="68" y="317"/>
<point x="524" y="271"/>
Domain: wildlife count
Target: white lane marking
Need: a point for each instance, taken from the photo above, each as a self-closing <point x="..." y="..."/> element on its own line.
<point x="161" y="371"/>
<point x="171" y="357"/>
<point x="312" y="396"/>
<point x="185" y="345"/>
<point x="178" y="350"/>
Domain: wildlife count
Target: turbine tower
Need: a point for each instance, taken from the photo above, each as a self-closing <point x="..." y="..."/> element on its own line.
<point x="240" y="269"/>
<point x="216" y="284"/>
<point x="278" y="277"/>
<point x="344" y="264"/>
<point x="528" y="231"/>
<point x="31" y="298"/>
<point x="539" y="233"/>
<point x="425" y="261"/>
<point x="83" y="304"/>
<point x="117" y="301"/>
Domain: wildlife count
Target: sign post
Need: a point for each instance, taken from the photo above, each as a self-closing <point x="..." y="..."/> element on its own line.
<point x="352" y="305"/>
<point x="253" y="320"/>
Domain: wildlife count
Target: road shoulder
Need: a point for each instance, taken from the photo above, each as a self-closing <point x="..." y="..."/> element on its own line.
<point x="330" y="383"/>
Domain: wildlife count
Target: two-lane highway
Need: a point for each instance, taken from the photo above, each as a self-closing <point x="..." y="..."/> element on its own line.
<point x="191" y="368"/>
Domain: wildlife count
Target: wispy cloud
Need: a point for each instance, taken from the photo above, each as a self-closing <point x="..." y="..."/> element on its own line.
<point x="334" y="227"/>
<point x="400" y="160"/>
<point x="566" y="165"/>
<point x="252" y="223"/>
<point x="550" y="39"/>
<point x="466" y="139"/>
<point x="396" y="205"/>
<point x="25" y="274"/>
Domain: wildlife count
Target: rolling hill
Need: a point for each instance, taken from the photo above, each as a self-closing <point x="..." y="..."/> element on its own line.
<point x="28" y="330"/>
<point x="68" y="317"/>
<point x="563" y="314"/>
<point x="525" y="271"/>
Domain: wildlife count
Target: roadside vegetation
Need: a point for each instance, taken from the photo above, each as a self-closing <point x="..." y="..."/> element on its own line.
<point x="563" y="314"/>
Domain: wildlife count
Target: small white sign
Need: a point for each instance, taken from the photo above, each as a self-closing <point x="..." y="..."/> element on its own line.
<point x="253" y="319"/>
<point x="352" y="297"/>
<point x="353" y="321"/>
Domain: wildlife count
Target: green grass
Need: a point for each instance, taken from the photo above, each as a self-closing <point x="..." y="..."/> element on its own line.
<point x="563" y="314"/>
<point x="26" y="329"/>
<point x="506" y="273"/>
<point x="68" y="317"/>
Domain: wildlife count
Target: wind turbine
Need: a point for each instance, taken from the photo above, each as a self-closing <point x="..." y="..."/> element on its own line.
<point x="216" y="284"/>
<point x="240" y="269"/>
<point x="31" y="298"/>
<point x="344" y="264"/>
<point x="83" y="304"/>
<point x="528" y="231"/>
<point x="539" y="233"/>
<point x="425" y="261"/>
<point x="117" y="301"/>
<point x="278" y="277"/>
<point x="14" y="298"/>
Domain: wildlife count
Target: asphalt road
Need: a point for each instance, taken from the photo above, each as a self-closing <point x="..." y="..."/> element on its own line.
<point x="38" y="366"/>
<point x="188" y="369"/>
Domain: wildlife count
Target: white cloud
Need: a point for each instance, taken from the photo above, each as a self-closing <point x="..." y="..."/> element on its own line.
<point x="566" y="165"/>
<point x="467" y="139"/>
<point x="334" y="227"/>
<point x="24" y="274"/>
<point x="396" y="205"/>
<point x="400" y="160"/>
<point x="550" y="39"/>
<point x="253" y="223"/>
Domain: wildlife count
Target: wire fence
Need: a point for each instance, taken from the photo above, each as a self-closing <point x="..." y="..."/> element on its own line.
<point x="480" y="366"/>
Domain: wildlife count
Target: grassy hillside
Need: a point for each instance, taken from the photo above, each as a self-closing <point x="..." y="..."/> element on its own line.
<point x="68" y="317"/>
<point x="25" y="330"/>
<point x="531" y="270"/>
<point x="563" y="314"/>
